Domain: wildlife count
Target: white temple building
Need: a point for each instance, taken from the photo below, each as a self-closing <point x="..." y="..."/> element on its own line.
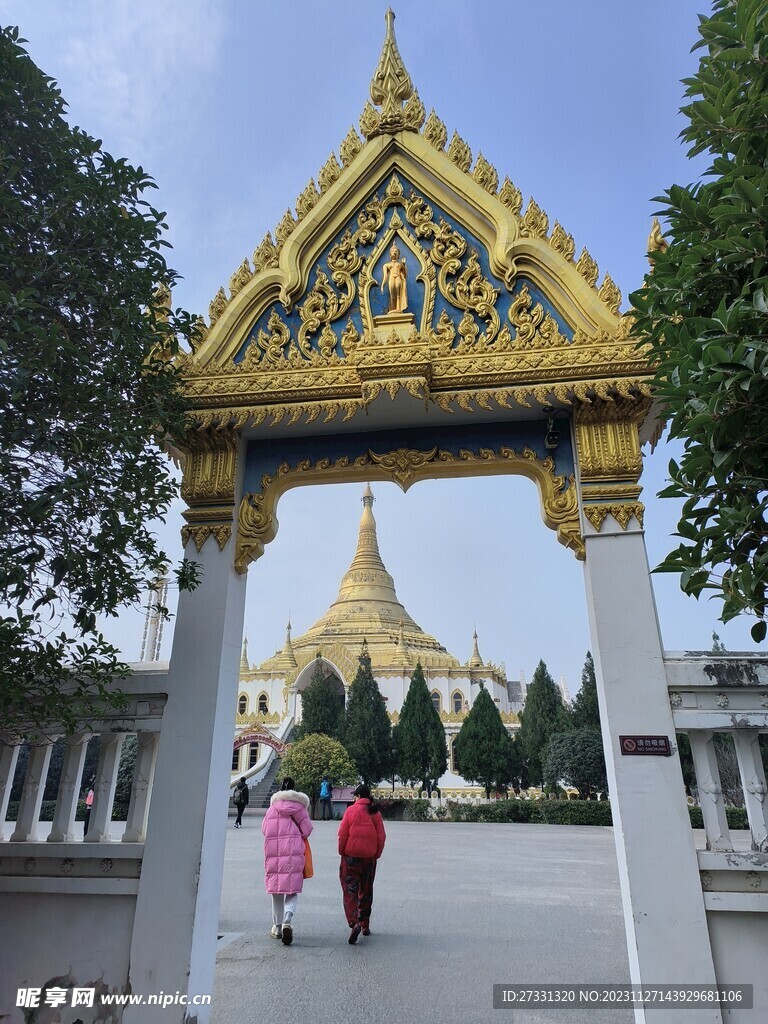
<point x="367" y="608"/>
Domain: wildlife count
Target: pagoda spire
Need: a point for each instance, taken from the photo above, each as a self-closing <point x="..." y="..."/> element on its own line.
<point x="402" y="657"/>
<point x="392" y="90"/>
<point x="244" y="666"/>
<point x="475" y="661"/>
<point x="287" y="653"/>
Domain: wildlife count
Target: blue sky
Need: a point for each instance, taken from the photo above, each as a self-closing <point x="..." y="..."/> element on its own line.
<point x="233" y="107"/>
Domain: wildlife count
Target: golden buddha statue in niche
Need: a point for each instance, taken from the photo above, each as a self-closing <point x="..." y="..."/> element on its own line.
<point x="396" y="273"/>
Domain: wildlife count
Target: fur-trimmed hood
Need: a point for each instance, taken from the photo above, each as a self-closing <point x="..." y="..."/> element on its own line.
<point x="290" y="794"/>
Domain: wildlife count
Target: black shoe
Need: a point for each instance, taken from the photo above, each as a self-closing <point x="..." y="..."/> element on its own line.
<point x="287" y="935"/>
<point x="353" y="935"/>
<point x="366" y="930"/>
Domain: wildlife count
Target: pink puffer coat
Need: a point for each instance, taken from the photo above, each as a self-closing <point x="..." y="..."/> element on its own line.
<point x="285" y="827"/>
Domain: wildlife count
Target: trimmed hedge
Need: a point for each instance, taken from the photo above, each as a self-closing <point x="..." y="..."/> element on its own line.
<point x="397" y="809"/>
<point x="549" y="812"/>
<point x="736" y="816"/>
<point x="119" y="811"/>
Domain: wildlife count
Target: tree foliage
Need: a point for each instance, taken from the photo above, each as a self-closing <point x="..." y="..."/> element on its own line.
<point x="575" y="758"/>
<point x="322" y="705"/>
<point x="88" y="392"/>
<point x="421" y="749"/>
<point x="585" y="713"/>
<point x="543" y="715"/>
<point x="314" y="756"/>
<point x="484" y="748"/>
<point x="367" y="729"/>
<point x="703" y="312"/>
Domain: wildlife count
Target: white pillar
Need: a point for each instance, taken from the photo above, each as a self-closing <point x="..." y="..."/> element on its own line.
<point x="138" y="809"/>
<point x="666" y="925"/>
<point x="710" y="789"/>
<point x="110" y="745"/>
<point x="175" y="928"/>
<point x="8" y="757"/>
<point x="753" y="784"/>
<point x="63" y="830"/>
<point x="32" y="793"/>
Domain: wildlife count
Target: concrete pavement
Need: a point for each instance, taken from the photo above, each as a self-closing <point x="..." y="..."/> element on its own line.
<point x="457" y="908"/>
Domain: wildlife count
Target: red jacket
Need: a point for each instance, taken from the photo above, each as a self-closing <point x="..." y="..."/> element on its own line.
<point x="361" y="834"/>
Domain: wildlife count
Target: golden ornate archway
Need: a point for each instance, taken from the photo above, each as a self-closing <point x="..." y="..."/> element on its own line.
<point x="509" y="357"/>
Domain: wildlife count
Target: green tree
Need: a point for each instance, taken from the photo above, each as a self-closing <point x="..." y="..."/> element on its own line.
<point x="312" y="757"/>
<point x="575" y="758"/>
<point x="88" y="392"/>
<point x="585" y="713"/>
<point x="367" y="729"/>
<point x="543" y="715"/>
<point x="703" y="315"/>
<point x="322" y="706"/>
<point x="484" y="748"/>
<point x="422" y="753"/>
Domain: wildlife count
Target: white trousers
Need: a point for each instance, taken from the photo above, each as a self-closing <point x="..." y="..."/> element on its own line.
<point x="283" y="906"/>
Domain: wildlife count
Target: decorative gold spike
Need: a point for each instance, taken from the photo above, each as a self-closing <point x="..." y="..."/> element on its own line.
<point x="369" y="121"/>
<point x="511" y="196"/>
<point x="217" y="306"/>
<point x="486" y="175"/>
<point x="394" y="188"/>
<point x="284" y="229"/>
<point x="391" y="84"/>
<point x="265" y="255"/>
<point x="414" y="113"/>
<point x="459" y="152"/>
<point x="307" y="200"/>
<point x="535" y="222"/>
<point x="240" y="278"/>
<point x="350" y="147"/>
<point x="435" y="132"/>
<point x="609" y="294"/>
<point x="329" y="174"/>
<point x="587" y="268"/>
<point x="562" y="242"/>
<point x="656" y="240"/>
<point x="199" y="334"/>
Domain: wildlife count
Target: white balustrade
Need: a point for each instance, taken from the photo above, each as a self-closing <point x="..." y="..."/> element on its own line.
<point x="104" y="787"/>
<point x="32" y="793"/>
<point x="710" y="790"/>
<point x="753" y="783"/>
<point x="138" y="809"/>
<point x="8" y="757"/>
<point x="63" y="830"/>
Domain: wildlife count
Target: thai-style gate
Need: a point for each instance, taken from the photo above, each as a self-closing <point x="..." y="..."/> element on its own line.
<point x="412" y="320"/>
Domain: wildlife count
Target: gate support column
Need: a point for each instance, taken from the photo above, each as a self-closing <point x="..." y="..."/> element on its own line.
<point x="173" y="948"/>
<point x="667" y="936"/>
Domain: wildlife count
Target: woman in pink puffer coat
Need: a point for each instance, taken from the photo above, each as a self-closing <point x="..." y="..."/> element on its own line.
<point x="285" y="827"/>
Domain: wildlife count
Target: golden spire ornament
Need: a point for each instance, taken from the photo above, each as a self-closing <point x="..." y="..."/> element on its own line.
<point x="393" y="91"/>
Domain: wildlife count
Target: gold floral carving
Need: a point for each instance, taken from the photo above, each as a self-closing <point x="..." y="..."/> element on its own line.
<point x="414" y="113"/>
<point x="330" y="173"/>
<point x="511" y="197"/>
<point x="350" y="147"/>
<point x="208" y="486"/>
<point x="459" y="152"/>
<point x="240" y="278"/>
<point x="265" y="255"/>
<point x="217" y="306"/>
<point x="562" y="242"/>
<point x="435" y="132"/>
<point x="622" y="513"/>
<point x="486" y="175"/>
<point x="257" y="523"/>
<point x="535" y="222"/>
<point x="307" y="200"/>
<point x="656" y="240"/>
<point x="533" y="327"/>
<point x="587" y="267"/>
<point x="609" y="294"/>
<point x="391" y="87"/>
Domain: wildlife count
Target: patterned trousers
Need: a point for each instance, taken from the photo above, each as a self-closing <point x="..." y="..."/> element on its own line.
<point x="356" y="875"/>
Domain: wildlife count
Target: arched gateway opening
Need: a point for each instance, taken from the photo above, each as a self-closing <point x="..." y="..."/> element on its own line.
<point x="413" y="320"/>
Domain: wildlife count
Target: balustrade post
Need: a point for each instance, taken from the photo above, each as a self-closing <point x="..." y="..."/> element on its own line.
<point x="753" y="783"/>
<point x="63" y="830"/>
<point x="710" y="789"/>
<point x="110" y="746"/>
<point x="8" y="757"/>
<point x="32" y="793"/>
<point x="138" y="809"/>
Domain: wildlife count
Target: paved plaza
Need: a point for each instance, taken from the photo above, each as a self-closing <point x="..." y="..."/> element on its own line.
<point x="457" y="908"/>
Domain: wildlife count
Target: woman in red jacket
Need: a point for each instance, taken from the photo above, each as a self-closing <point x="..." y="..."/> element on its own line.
<point x="361" y="841"/>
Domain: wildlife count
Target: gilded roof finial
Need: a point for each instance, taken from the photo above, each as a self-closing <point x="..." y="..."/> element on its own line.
<point x="287" y="655"/>
<point x="368" y="498"/>
<point x="244" y="656"/>
<point x="475" y="661"/>
<point x="656" y="240"/>
<point x="391" y="87"/>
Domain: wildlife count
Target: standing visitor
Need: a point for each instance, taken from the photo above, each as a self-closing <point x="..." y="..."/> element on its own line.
<point x="285" y="827"/>
<point x="325" y="798"/>
<point x="88" y="806"/>
<point x="361" y="842"/>
<point x="241" y="796"/>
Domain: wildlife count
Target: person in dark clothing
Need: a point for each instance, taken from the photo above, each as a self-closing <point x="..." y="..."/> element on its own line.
<point x="325" y="798"/>
<point x="241" y="800"/>
<point x="361" y="842"/>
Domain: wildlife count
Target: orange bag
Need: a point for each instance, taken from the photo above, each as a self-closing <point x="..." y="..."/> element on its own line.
<point x="309" y="868"/>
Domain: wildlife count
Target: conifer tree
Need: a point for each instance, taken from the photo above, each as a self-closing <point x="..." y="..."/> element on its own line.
<point x="367" y="730"/>
<point x="586" y="712"/>
<point x="322" y="706"/>
<point x="543" y="715"/>
<point x="422" y="754"/>
<point x="484" y="748"/>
